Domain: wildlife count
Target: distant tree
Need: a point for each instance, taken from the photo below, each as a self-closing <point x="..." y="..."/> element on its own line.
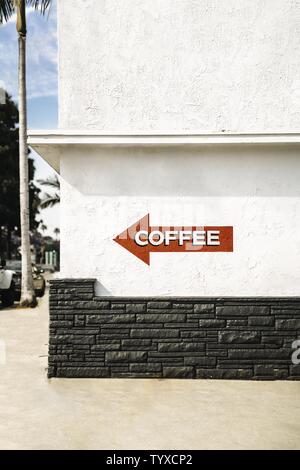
<point x="50" y="199"/>
<point x="56" y="232"/>
<point x="43" y="227"/>
<point x="7" y="9"/>
<point x="9" y="176"/>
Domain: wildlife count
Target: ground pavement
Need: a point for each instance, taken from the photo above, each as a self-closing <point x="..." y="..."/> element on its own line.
<point x="37" y="413"/>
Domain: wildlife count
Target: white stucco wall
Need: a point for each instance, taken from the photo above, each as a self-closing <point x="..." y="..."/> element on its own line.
<point x="174" y="65"/>
<point x="181" y="66"/>
<point x="255" y="189"/>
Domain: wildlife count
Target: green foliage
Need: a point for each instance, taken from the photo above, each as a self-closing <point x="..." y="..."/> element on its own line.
<point x="6" y="10"/>
<point x="9" y="170"/>
<point x="7" y="7"/>
<point x="50" y="199"/>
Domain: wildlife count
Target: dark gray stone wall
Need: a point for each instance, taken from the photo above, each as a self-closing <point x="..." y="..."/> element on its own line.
<point x="220" y="338"/>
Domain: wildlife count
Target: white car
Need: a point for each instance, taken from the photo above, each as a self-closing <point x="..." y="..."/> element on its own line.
<point x="7" y="285"/>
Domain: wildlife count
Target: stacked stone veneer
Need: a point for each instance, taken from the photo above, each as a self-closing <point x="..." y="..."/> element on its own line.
<point x="228" y="338"/>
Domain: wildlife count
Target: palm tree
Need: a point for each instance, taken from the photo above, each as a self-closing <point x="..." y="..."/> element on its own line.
<point x="50" y="200"/>
<point x="7" y="9"/>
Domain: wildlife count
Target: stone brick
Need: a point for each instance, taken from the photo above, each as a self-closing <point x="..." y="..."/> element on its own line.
<point x="115" y="369"/>
<point x="167" y="361"/>
<point x="93" y="362"/>
<point x="118" y="306"/>
<point x="235" y="374"/>
<point x="79" y="320"/>
<point x="74" y="357"/>
<point x="178" y="372"/>
<point x="51" y="372"/>
<point x="241" y="310"/>
<point x="136" y="343"/>
<point x="60" y="339"/>
<point x="263" y="370"/>
<point x="288" y="342"/>
<point x="89" y="305"/>
<point x="166" y="311"/>
<point x="193" y="318"/>
<point x="76" y="290"/>
<point x="181" y="347"/>
<point x="83" y="339"/>
<point x="261" y="321"/>
<point x="60" y="323"/>
<point x="145" y="367"/>
<point x="259" y="354"/>
<point x="204" y="308"/>
<point x="154" y="333"/>
<point x="82" y="331"/>
<point x="239" y="337"/>
<point x="182" y="306"/>
<point x="288" y="324"/>
<point x="67" y="282"/>
<point x="125" y="356"/>
<point x="275" y="340"/>
<point x="131" y="326"/>
<point x="122" y="318"/>
<point x="295" y="370"/>
<point x="237" y="323"/>
<point x="109" y="334"/>
<point x="136" y="308"/>
<point x="136" y="375"/>
<point x="213" y="323"/>
<point x="77" y="296"/>
<point x="66" y="351"/>
<point x="107" y="345"/>
<point x="216" y="353"/>
<point x="179" y="326"/>
<point x="83" y="348"/>
<point x="159" y="304"/>
<point x="193" y="334"/>
<point x="58" y="358"/>
<point x="200" y="361"/>
<point x="287" y="312"/>
<point x="160" y="317"/>
<point x="82" y="372"/>
<point x="115" y="318"/>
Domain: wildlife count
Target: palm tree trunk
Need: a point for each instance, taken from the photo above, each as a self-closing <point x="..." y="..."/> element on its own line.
<point x="28" y="298"/>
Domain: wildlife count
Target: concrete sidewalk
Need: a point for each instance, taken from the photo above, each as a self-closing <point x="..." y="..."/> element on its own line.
<point x="36" y="413"/>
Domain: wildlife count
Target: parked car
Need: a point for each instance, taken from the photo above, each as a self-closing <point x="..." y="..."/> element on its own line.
<point x="39" y="282"/>
<point x="7" y="285"/>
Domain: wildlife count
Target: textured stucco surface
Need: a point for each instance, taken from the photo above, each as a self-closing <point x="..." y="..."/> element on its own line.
<point x="255" y="189"/>
<point x="173" y="65"/>
<point x="181" y="65"/>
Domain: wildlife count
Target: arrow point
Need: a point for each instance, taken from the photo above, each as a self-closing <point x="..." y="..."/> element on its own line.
<point x="126" y="240"/>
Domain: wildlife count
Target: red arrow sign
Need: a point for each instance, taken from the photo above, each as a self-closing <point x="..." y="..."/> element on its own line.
<point x="141" y="239"/>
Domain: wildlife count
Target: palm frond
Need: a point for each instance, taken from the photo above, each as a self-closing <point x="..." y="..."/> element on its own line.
<point x="52" y="182"/>
<point x="41" y="5"/>
<point x="49" y="200"/>
<point x="6" y="10"/>
<point x="7" y="7"/>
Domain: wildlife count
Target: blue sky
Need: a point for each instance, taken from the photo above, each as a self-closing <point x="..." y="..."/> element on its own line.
<point x="41" y="80"/>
